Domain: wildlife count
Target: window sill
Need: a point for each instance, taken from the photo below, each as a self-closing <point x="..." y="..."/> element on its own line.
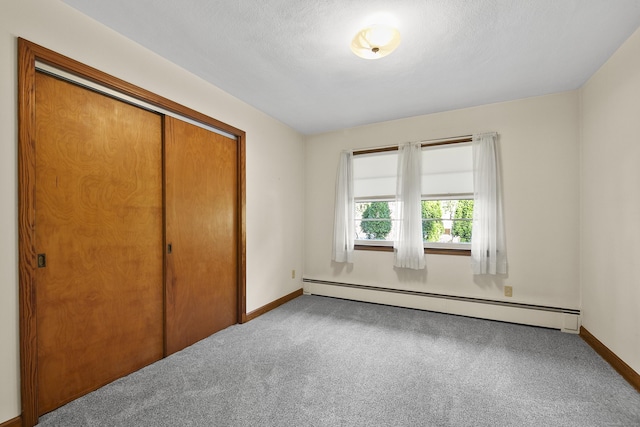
<point x="436" y="251"/>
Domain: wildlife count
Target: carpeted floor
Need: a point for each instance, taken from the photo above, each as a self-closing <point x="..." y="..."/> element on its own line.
<point x="319" y="361"/>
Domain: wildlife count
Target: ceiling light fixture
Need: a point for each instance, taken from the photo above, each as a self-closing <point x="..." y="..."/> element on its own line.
<point x="375" y="41"/>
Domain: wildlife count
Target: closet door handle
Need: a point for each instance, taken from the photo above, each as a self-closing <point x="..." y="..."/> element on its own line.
<point x="169" y="248"/>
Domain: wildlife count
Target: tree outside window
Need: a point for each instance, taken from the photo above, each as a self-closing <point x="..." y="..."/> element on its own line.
<point x="432" y="227"/>
<point x="376" y="220"/>
<point x="462" y="229"/>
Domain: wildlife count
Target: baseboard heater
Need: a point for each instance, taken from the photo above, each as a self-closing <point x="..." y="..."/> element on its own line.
<point x="448" y="297"/>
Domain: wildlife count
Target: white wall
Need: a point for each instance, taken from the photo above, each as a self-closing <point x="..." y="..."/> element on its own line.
<point x="538" y="144"/>
<point x="610" y="203"/>
<point x="274" y="158"/>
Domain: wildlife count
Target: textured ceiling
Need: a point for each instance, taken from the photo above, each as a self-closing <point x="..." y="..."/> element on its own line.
<point x="292" y="60"/>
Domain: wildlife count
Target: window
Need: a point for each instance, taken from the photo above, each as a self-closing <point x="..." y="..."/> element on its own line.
<point x="448" y="222"/>
<point x="447" y="197"/>
<point x="374" y="189"/>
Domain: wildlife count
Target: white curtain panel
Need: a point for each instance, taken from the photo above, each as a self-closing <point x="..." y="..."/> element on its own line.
<point x="488" y="250"/>
<point x="344" y="225"/>
<point x="408" y="246"/>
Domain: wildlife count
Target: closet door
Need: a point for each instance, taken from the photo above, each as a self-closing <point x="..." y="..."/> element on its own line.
<point x="98" y="228"/>
<point x="201" y="182"/>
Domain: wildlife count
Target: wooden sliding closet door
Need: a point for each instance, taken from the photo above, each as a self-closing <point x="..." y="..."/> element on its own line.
<point x="201" y="184"/>
<point x="99" y="229"/>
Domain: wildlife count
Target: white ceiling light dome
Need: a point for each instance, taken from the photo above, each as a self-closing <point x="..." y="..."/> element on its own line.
<point x="375" y="41"/>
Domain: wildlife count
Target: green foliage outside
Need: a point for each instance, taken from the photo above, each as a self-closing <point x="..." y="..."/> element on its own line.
<point x="378" y="230"/>
<point x="462" y="229"/>
<point x="431" y="230"/>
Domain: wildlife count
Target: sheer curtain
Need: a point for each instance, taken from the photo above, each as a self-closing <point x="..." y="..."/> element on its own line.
<point x="488" y="251"/>
<point x="343" y="225"/>
<point x="408" y="245"/>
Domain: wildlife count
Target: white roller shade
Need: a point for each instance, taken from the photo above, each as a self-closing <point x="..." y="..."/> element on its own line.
<point x="374" y="175"/>
<point x="447" y="170"/>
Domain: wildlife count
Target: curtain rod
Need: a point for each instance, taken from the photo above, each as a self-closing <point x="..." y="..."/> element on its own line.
<point x="425" y="143"/>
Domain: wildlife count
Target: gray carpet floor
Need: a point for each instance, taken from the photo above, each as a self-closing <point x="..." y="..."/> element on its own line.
<point x="319" y="361"/>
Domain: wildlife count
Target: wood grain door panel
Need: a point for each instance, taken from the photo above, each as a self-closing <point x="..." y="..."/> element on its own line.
<point x="99" y="221"/>
<point x="201" y="226"/>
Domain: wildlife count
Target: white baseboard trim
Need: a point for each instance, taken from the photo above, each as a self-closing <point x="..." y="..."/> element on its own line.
<point x="565" y="319"/>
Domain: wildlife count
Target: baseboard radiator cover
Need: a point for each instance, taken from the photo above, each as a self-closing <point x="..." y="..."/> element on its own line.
<point x="565" y="319"/>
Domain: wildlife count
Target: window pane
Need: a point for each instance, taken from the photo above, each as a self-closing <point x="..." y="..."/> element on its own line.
<point x="432" y="227"/>
<point x="375" y="220"/>
<point x="447" y="221"/>
<point x="461" y="229"/>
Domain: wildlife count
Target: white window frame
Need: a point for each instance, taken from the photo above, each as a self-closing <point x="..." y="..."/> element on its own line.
<point x="372" y="242"/>
<point x="440" y="245"/>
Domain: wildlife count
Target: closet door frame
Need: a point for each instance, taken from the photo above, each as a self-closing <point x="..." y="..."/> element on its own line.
<point x="28" y="54"/>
